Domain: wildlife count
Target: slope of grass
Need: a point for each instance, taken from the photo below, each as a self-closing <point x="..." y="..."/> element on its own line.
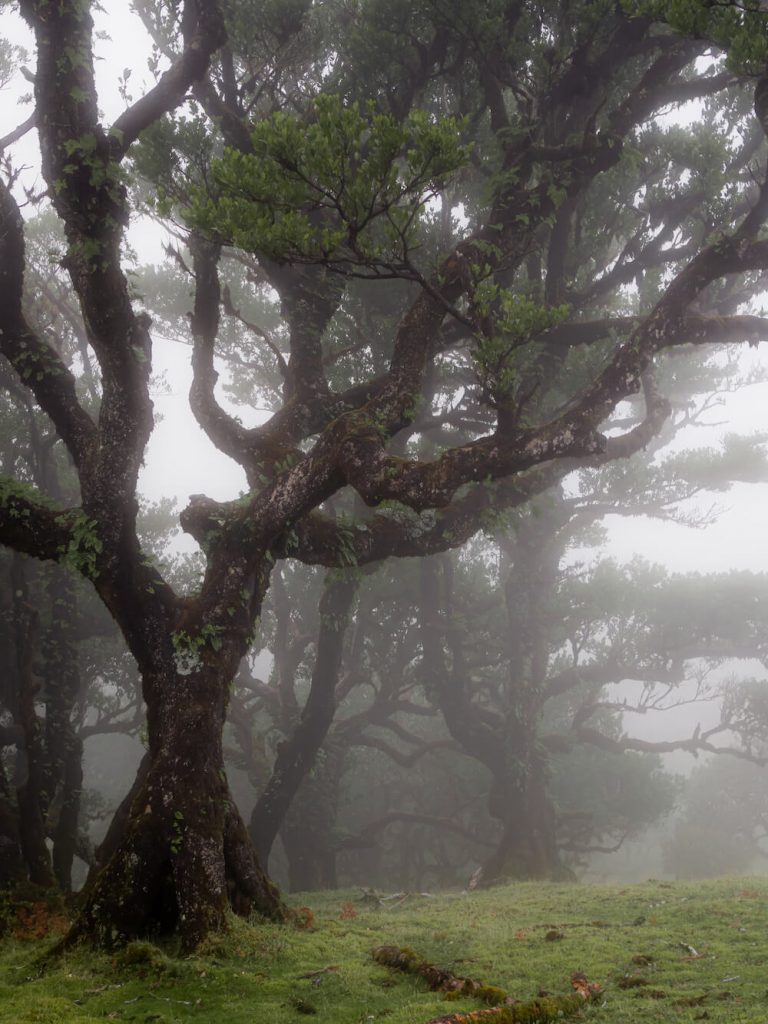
<point x="664" y="952"/>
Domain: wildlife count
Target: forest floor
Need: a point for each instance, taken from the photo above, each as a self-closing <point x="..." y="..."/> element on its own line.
<point x="661" y="951"/>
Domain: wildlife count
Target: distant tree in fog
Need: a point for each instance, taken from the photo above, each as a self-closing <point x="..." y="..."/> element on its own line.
<point x="723" y="823"/>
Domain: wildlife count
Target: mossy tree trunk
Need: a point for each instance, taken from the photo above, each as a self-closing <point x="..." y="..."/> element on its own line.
<point x="66" y="841"/>
<point x="506" y="745"/>
<point x="180" y="857"/>
<point x="12" y="862"/>
<point x="311" y="855"/>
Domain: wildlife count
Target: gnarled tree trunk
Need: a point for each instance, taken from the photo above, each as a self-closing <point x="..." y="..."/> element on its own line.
<point x="179" y="854"/>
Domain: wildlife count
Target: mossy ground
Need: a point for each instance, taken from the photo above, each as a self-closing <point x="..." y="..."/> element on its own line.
<point x="632" y="939"/>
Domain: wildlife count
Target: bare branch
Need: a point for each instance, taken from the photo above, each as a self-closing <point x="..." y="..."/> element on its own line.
<point x="176" y="82"/>
<point x="19" y="132"/>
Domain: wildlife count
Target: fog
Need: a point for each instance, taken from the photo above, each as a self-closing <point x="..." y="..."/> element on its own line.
<point x="575" y="690"/>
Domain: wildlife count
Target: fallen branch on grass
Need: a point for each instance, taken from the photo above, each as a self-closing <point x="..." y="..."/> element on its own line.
<point x="396" y="899"/>
<point x="507" y="1009"/>
<point x="439" y="980"/>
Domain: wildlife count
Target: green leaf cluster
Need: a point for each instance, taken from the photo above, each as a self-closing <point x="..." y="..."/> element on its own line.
<point x="347" y="187"/>
<point x="187" y="647"/>
<point x="14" y="494"/>
<point x="516" y="322"/>
<point x="85" y="546"/>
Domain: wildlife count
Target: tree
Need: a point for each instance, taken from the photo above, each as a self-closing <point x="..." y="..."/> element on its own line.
<point x="540" y="122"/>
<point x="55" y="637"/>
<point x="722" y="828"/>
<point x="588" y="629"/>
<point x="566" y="779"/>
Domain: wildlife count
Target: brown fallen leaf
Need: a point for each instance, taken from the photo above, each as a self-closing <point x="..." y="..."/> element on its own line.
<point x="303" y="918"/>
<point x="586" y="989"/>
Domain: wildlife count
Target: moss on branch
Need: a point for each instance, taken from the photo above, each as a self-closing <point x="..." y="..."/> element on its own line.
<point x="504" y="1008"/>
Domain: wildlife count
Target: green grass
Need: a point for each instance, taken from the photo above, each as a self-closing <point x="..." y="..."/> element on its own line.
<point x="496" y="936"/>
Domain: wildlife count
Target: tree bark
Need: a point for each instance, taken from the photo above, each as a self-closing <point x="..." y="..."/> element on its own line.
<point x="178" y="855"/>
<point x="66" y="840"/>
<point x="507" y="746"/>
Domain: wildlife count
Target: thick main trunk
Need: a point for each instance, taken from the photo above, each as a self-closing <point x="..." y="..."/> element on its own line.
<point x="177" y="856"/>
<point x="311" y="859"/>
<point x="527" y="848"/>
<point x="31" y="823"/>
<point x="525" y="851"/>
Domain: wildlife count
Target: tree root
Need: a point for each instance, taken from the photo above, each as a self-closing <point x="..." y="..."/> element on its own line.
<point x="506" y="1010"/>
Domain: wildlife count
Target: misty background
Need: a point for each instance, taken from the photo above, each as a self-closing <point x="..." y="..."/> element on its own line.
<point x="728" y="537"/>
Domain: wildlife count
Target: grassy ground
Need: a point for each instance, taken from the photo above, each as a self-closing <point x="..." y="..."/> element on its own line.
<point x="664" y="952"/>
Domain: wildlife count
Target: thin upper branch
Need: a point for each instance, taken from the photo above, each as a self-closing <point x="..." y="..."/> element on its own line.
<point x="176" y="82"/>
<point x="35" y="362"/>
<point x="19" y="131"/>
